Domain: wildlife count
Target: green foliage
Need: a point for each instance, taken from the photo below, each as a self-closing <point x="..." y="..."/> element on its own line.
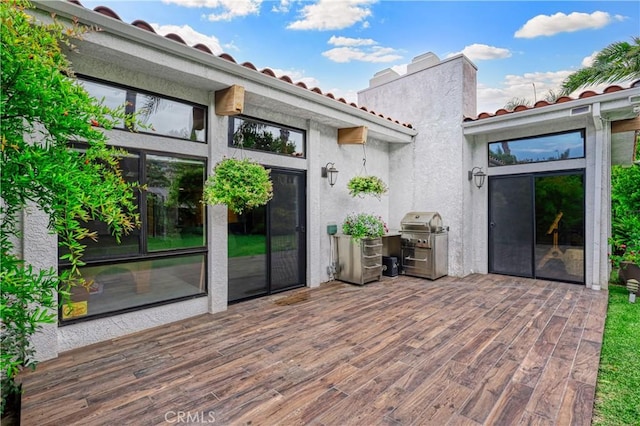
<point x="616" y="62"/>
<point x="625" y="215"/>
<point x="240" y="184"/>
<point x="363" y="225"/>
<point x="366" y="185"/>
<point x="619" y="376"/>
<point x="40" y="98"/>
<point x="254" y="135"/>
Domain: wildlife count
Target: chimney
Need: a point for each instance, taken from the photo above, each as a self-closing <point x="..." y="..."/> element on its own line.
<point x="382" y="77"/>
<point x="420" y="62"/>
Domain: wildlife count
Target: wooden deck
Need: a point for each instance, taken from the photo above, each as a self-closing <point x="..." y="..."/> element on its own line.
<point x="484" y="349"/>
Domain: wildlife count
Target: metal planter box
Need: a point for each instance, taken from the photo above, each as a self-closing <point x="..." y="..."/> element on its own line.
<point x="358" y="263"/>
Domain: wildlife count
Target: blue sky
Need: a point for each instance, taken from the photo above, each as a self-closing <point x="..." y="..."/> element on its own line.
<point x="338" y="45"/>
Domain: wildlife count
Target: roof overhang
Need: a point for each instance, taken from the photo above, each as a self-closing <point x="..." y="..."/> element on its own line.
<point x="114" y="41"/>
<point x="620" y="105"/>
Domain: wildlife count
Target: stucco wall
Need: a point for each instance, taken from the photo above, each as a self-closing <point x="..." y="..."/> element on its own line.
<point x="324" y="203"/>
<point x="430" y="174"/>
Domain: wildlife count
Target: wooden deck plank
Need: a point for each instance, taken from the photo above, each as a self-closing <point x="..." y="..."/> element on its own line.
<point x="483" y="349"/>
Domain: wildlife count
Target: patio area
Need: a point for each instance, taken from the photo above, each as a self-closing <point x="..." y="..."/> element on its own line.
<point x="484" y="349"/>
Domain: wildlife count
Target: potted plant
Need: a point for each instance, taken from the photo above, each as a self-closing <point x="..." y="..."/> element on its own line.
<point x="240" y="184"/>
<point x="363" y="225"/>
<point x="367" y="185"/>
<point x="626" y="258"/>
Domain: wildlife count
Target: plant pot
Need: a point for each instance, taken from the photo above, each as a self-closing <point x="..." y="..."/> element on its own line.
<point x="628" y="271"/>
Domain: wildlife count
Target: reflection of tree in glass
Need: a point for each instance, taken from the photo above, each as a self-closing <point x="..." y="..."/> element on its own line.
<point x="175" y="191"/>
<point x="564" y="193"/>
<point x="254" y="135"/>
<point x="500" y="156"/>
<point x="154" y="104"/>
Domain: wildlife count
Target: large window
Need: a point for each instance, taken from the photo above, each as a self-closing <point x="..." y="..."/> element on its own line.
<point x="554" y="147"/>
<point x="250" y="133"/>
<point x="161" y="115"/>
<point x="162" y="261"/>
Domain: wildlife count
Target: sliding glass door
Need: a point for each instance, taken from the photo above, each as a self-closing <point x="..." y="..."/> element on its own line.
<point x="536" y="225"/>
<point x="267" y="245"/>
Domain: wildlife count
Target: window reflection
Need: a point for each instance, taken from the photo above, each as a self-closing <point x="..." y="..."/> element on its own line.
<point x="253" y="134"/>
<point x="111" y="97"/>
<point x="171" y="118"/>
<point x="561" y="146"/>
<point x="106" y="244"/>
<point x="128" y="285"/>
<point x="163" y="116"/>
<point x="175" y="213"/>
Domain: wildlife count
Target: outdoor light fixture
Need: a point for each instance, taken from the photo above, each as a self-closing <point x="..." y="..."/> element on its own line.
<point x="330" y="171"/>
<point x="478" y="176"/>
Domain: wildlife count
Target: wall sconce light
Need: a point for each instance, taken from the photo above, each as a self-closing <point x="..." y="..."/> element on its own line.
<point x="329" y="171"/>
<point x="478" y="176"/>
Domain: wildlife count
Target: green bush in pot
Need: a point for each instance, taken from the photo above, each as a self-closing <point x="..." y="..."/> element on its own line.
<point x="240" y="184"/>
<point x="367" y="185"/>
<point x="363" y="225"/>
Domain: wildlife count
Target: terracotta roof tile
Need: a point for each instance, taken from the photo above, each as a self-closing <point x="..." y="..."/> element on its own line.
<point x="249" y="65"/>
<point x="175" y="37"/>
<point x="146" y="27"/>
<point x="562" y="99"/>
<point x="203" y="47"/>
<point x="143" y="25"/>
<point x="227" y="57"/>
<point x="105" y="11"/>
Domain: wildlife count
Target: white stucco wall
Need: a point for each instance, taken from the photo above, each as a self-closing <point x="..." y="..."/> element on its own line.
<point x="430" y="174"/>
<point x="40" y="249"/>
<point x="182" y="73"/>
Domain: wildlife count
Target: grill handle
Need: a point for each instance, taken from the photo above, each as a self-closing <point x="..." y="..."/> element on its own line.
<point x="415" y="259"/>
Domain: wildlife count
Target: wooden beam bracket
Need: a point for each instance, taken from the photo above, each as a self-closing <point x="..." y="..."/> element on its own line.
<point x="352" y="135"/>
<point x="230" y="101"/>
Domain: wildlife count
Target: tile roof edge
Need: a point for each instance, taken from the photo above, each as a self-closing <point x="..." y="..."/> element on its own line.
<point x="561" y="100"/>
<point x="143" y="25"/>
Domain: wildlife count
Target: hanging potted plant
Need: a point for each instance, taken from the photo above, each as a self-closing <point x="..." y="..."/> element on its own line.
<point x="240" y="184"/>
<point x="367" y="185"/>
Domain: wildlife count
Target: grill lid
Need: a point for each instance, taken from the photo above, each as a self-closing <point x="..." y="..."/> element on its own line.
<point x="422" y="221"/>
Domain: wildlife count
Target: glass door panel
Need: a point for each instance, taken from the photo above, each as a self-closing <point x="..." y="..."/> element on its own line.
<point x="559" y="248"/>
<point x="511" y="225"/>
<point x="267" y="245"/>
<point x="287" y="230"/>
<point x="247" y="254"/>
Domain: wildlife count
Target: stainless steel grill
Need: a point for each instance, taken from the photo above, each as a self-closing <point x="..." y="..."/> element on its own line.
<point x="424" y="245"/>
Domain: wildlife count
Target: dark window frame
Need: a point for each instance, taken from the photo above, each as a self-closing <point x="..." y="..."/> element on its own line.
<point x="143" y="253"/>
<point x="83" y="77"/>
<point x="231" y="132"/>
<point x="582" y="132"/>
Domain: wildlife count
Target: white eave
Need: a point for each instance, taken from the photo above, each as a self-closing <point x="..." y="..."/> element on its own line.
<point x="318" y="107"/>
<point x="613" y="106"/>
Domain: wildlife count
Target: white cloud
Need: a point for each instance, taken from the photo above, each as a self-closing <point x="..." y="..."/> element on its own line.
<point x="359" y="49"/>
<point x="478" y="52"/>
<point x="548" y="25"/>
<point x="282" y="7"/>
<point x="226" y="9"/>
<point x="297" y="76"/>
<point x="332" y="14"/>
<point x="348" y="41"/>
<point x="190" y="36"/>
<point x="531" y="86"/>
<point x="400" y="69"/>
<point x="588" y="61"/>
<point x="372" y="54"/>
